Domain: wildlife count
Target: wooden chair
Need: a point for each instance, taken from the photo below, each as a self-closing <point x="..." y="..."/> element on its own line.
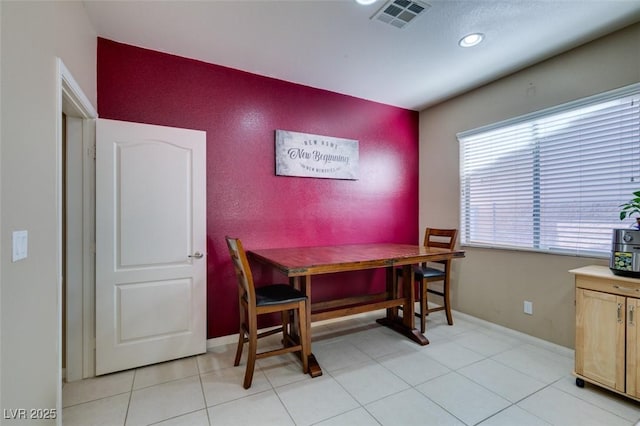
<point x="434" y="272"/>
<point x="264" y="300"/>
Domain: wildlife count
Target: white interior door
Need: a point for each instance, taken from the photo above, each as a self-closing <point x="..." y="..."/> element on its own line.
<point x="150" y="244"/>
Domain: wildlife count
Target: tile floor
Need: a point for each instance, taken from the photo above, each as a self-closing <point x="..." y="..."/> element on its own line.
<point x="472" y="373"/>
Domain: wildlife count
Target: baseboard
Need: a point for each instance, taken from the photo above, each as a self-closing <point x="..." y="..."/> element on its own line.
<point x="223" y="340"/>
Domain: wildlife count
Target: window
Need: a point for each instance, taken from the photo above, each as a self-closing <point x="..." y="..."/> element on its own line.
<point x="552" y="181"/>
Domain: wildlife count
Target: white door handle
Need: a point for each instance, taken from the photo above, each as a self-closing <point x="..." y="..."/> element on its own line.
<point x="197" y="255"/>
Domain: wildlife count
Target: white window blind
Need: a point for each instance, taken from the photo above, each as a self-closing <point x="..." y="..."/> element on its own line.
<point x="552" y="181"/>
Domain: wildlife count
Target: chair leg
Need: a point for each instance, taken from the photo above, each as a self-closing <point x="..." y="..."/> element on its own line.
<point x="304" y="337"/>
<point x="240" y="335"/>
<point x="447" y="305"/>
<point x="286" y="320"/>
<point x="253" y="348"/>
<point x="240" y="346"/>
<point x="423" y="306"/>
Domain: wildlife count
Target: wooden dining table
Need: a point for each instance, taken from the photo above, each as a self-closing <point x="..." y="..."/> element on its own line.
<point x="299" y="264"/>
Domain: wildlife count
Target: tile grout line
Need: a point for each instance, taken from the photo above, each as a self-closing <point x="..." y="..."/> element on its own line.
<point x="204" y="396"/>
<point x="133" y="381"/>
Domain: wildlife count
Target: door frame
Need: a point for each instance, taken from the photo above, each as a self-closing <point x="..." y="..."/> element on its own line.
<point x="80" y="233"/>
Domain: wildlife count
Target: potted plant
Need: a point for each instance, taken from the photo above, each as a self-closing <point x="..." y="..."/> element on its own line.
<point x="630" y="208"/>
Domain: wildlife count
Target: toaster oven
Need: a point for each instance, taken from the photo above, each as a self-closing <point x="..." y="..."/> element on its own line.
<point x="625" y="252"/>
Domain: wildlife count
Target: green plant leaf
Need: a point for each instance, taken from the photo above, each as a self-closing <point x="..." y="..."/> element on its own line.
<point x="631" y="207"/>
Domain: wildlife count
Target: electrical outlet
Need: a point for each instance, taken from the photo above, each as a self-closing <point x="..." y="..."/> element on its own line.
<point x="528" y="307"/>
<point x="20" y="245"/>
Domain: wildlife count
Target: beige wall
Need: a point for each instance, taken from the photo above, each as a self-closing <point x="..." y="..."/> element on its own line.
<point x="33" y="34"/>
<point x="493" y="284"/>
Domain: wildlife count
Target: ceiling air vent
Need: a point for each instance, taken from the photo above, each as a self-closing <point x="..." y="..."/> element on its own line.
<point x="400" y="13"/>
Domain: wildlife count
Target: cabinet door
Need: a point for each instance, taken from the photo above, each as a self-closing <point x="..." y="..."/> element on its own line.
<point x="600" y="337"/>
<point x="633" y="354"/>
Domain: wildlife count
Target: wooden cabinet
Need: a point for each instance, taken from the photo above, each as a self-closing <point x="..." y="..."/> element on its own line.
<point x="607" y="333"/>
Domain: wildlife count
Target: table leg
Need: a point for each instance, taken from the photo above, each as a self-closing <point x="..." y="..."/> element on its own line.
<point x="404" y="326"/>
<point x="392" y="291"/>
<point x="408" y="284"/>
<point x="304" y="284"/>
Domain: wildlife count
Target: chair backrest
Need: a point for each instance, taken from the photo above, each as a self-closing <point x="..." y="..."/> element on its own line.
<point x="443" y="238"/>
<point x="243" y="271"/>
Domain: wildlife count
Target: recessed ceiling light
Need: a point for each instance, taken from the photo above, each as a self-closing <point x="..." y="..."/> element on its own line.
<point x="366" y="2"/>
<point x="471" y="39"/>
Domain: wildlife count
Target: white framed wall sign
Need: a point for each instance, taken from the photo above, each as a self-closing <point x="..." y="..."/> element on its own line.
<point x="307" y="155"/>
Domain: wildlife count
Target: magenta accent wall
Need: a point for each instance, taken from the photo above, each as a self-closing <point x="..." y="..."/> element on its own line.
<point x="240" y="113"/>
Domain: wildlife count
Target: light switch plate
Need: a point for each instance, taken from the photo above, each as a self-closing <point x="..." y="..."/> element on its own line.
<point x="20" y="245"/>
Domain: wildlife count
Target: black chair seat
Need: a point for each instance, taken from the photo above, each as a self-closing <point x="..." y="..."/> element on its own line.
<point x="276" y="294"/>
<point x="426" y="272"/>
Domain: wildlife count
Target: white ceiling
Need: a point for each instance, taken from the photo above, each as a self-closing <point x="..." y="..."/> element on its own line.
<point x="334" y="45"/>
